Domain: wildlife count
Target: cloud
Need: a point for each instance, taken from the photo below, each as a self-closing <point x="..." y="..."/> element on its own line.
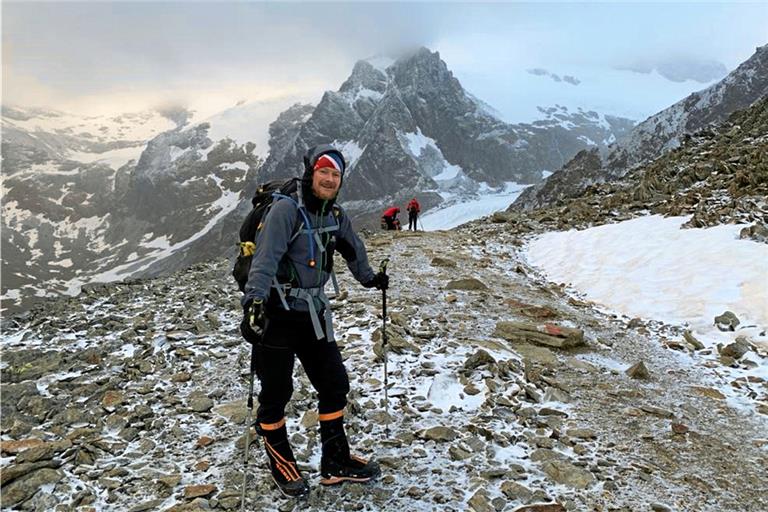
<point x="24" y="89"/>
<point x="680" y="69"/>
<point x="96" y="56"/>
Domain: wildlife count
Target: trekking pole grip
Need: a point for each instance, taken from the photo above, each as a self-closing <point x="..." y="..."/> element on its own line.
<point x="383" y="265"/>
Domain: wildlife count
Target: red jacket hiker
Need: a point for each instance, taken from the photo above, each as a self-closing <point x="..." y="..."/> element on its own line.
<point x="389" y="218"/>
<point x="413" y="210"/>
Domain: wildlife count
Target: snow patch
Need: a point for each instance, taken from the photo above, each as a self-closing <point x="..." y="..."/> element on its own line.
<point x="491" y="201"/>
<point x="679" y="276"/>
<point x="176" y="152"/>
<point x="651" y="268"/>
<point x="418" y="141"/>
<point x="241" y="166"/>
<point x="446" y="391"/>
<point x="351" y="151"/>
<point x="66" y="263"/>
<point x="367" y="93"/>
<point x="115" y="158"/>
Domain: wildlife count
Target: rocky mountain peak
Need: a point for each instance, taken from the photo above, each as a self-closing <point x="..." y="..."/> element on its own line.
<point x="409" y="125"/>
<point x="365" y="76"/>
<point x="423" y="70"/>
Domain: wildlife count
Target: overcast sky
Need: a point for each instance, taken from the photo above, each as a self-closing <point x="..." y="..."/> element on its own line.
<point x="134" y="55"/>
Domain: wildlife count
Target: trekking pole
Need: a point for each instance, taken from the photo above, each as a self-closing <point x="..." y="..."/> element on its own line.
<point x="248" y="426"/>
<point x="383" y="269"/>
<point x="422" y="225"/>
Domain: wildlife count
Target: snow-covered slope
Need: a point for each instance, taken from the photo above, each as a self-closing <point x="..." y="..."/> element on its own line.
<point x="59" y="136"/>
<point x="652" y="269"/>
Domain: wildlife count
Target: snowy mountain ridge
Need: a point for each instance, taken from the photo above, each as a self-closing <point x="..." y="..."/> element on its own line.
<point x="406" y="126"/>
<point x="660" y="133"/>
<point x="438" y="141"/>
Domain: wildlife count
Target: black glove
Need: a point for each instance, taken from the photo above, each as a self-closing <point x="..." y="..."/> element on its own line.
<point x="252" y="326"/>
<point x="380" y="281"/>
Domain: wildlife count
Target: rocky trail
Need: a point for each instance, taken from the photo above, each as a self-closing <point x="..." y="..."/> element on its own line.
<point x="132" y="397"/>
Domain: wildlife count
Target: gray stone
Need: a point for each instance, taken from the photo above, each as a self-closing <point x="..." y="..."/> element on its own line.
<point x="541" y="507"/>
<point x="200" y="403"/>
<point x="542" y="334"/>
<point x="582" y="433"/>
<point x="691" y="339"/>
<point x="728" y="321"/>
<point x="458" y="453"/>
<point x="566" y="473"/>
<point x="479" y="502"/>
<point x="545" y="454"/>
<point x="24" y="487"/>
<point x="479" y="358"/>
<point x="147" y="505"/>
<point x="638" y="371"/>
<point x="440" y="434"/>
<point x="14" y="471"/>
<point x="442" y="262"/>
<point x="657" y="411"/>
<point x="736" y="349"/>
<point x="516" y="491"/>
<point x="469" y="284"/>
<point x="548" y="411"/>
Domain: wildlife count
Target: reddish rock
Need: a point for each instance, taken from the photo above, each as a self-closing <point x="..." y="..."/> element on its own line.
<point x="112" y="399"/>
<point x="204" y="441"/>
<point x="196" y="491"/>
<point x="14" y="447"/>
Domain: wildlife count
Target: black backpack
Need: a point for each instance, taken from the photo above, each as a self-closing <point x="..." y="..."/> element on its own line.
<point x="262" y="201"/>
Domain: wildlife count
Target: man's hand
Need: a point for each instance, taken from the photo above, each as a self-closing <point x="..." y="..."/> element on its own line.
<point x="380" y="281"/>
<point x="253" y="312"/>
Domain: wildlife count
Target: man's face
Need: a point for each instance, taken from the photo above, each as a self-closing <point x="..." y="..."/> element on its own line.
<point x="326" y="183"/>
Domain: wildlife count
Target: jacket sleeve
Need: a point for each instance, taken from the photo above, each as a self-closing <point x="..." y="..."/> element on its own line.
<point x="271" y="246"/>
<point x="353" y="251"/>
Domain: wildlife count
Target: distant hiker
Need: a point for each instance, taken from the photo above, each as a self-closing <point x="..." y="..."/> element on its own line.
<point x="389" y="219"/>
<point x="288" y="315"/>
<point x="413" y="210"/>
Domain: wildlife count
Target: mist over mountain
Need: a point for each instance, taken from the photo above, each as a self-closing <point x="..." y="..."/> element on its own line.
<point x="660" y="133"/>
<point x="680" y="69"/>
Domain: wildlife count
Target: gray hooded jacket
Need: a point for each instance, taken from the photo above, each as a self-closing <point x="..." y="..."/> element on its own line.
<point x="283" y="252"/>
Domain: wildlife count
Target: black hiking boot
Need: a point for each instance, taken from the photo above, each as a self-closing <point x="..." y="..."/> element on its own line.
<point x="282" y="463"/>
<point x="353" y="469"/>
<point x="337" y="465"/>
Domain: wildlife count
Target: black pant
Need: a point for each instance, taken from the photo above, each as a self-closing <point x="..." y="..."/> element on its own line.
<point x="289" y="335"/>
<point x="412" y="218"/>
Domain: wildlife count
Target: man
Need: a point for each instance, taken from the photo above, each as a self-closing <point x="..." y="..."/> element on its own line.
<point x="413" y="210"/>
<point x="288" y="315"/>
<point x="389" y="218"/>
